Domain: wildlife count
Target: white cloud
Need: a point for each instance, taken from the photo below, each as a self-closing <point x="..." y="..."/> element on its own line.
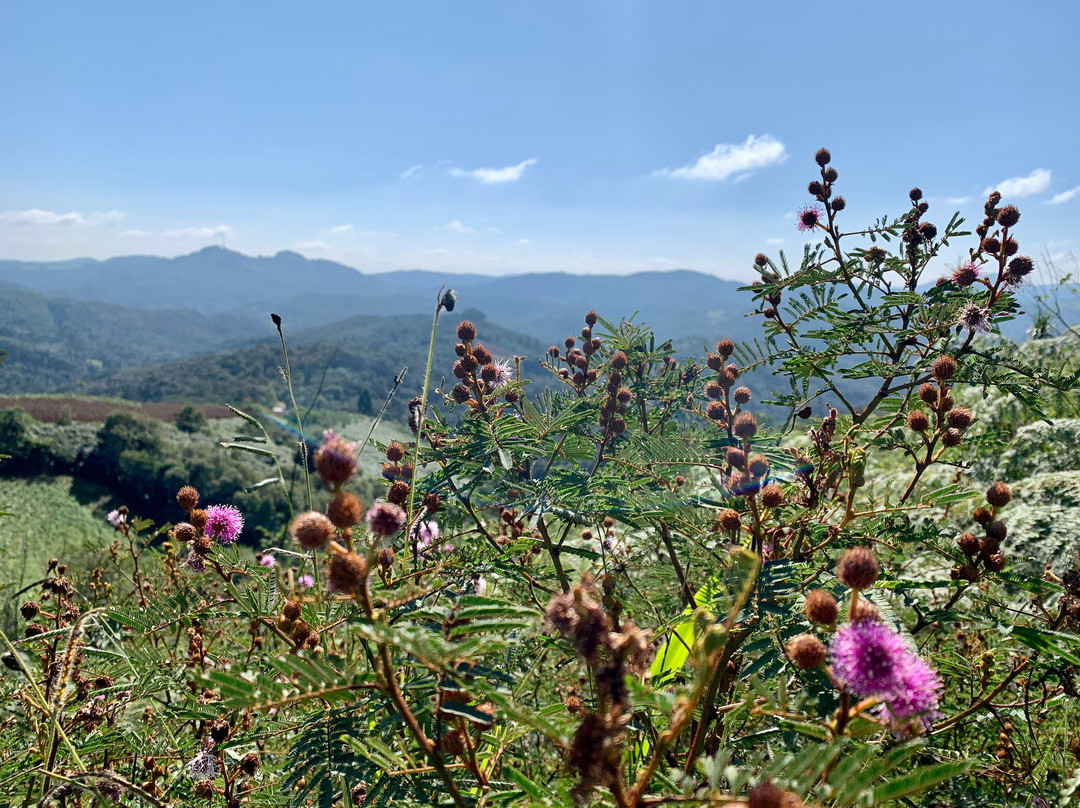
<point x="774" y="242"/>
<point x="341" y="228"/>
<point x="1034" y="183"/>
<point x="524" y="242"/>
<point x="313" y="245"/>
<point x="1065" y="196"/>
<point x="457" y="227"/>
<point x="666" y="263"/>
<point x="219" y="231"/>
<point x="493" y="175"/>
<point x="957" y="200"/>
<point x="413" y="173"/>
<point x="727" y="159"/>
<point x="47" y="218"/>
<point x="136" y="234"/>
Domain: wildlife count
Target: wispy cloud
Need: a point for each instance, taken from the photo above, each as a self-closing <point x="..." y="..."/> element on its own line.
<point x="1034" y="183"/>
<point x="413" y="173"/>
<point x="1065" y="196"/>
<point x="136" y="234"/>
<point x="729" y="159"/>
<point x="48" y="218"/>
<point x="494" y="175"/>
<point x="774" y="242"/>
<point x="339" y="229"/>
<point x="957" y="200"/>
<point x="457" y="227"/>
<point x="523" y="242"/>
<point x="219" y="231"/>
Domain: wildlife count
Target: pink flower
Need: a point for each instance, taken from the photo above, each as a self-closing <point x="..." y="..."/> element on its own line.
<point x="974" y="318"/>
<point x="115" y="518"/>
<point x="869" y="657"/>
<point x="385" y="519"/>
<point x="305" y="582"/>
<point x="194" y="561"/>
<point x="223" y="523"/>
<point x="335" y="460"/>
<point x="914" y="705"/>
<point x="266" y="560"/>
<point x="809" y="217"/>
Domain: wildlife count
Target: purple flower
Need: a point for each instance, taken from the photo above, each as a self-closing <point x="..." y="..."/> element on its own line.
<point x="809" y="217"/>
<point x="266" y="560"/>
<point x="502" y="374"/>
<point x="974" y="318"/>
<point x="305" y="582"/>
<point x="914" y="704"/>
<point x="335" y="460"/>
<point x="115" y="518"/>
<point x="223" y="523"/>
<point x="385" y="519"/>
<point x="202" y="766"/>
<point x="870" y="658"/>
<point x="194" y="562"/>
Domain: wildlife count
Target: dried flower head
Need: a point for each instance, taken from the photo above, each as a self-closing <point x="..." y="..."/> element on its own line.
<point x="729" y="519"/>
<point x="311" y="529"/>
<point x="741" y="395"/>
<point x="347" y="572"/>
<point x="806" y="651"/>
<point x="385" y="519"/>
<point x="398" y="493"/>
<point x="745" y="426"/>
<point x="821" y="607"/>
<point x="999" y="495"/>
<point x="966" y="274"/>
<point x="765" y="794"/>
<point x="335" y="460"/>
<point x="345" y="509"/>
<point x="187" y="497"/>
<point x="466" y="331"/>
<point x="858" y="568"/>
<point x="943" y="368"/>
<point x="917" y="421"/>
<point x="1008" y="216"/>
<point x="772" y="495"/>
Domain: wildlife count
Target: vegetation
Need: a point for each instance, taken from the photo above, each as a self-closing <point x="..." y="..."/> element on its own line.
<point x="618" y="587"/>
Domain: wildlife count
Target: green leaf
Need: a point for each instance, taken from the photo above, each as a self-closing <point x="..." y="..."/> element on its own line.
<point x="922" y="779"/>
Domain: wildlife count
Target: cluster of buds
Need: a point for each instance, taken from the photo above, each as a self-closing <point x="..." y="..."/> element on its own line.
<point x="293" y="625"/>
<point x="481" y="380"/>
<point x="997" y="243"/>
<point x="810" y="217"/>
<point x="984" y="553"/>
<point x="204" y="528"/>
<point x="917" y="232"/>
<point x="950" y="421"/>
<point x="581" y="369"/>
<point x="772" y="296"/>
<point x="720" y="409"/>
<point x="613" y="411"/>
<point x="612" y="652"/>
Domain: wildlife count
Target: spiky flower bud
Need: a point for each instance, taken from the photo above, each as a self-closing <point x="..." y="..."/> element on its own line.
<point x="725" y="347"/>
<point x="928" y="394"/>
<point x="730" y="519"/>
<point x="965" y="274"/>
<point x="772" y="496"/>
<point x="736" y="458"/>
<point x="822" y="157"/>
<point x="999" y="495"/>
<point x="311" y="529"/>
<point x="29" y="610"/>
<point x="1020" y="266"/>
<point x="745" y="425"/>
<point x="968" y="544"/>
<point x="187" y="497"/>
<point x="345" y="509"/>
<point x="952" y="438"/>
<point x="1008" y="216"/>
<point x="943" y="368"/>
<point x="858" y="568"/>
<point x="821" y="607"/>
<point x="346" y="572"/>
<point x="759" y="465"/>
<point x="741" y="394"/>
<point x="982" y="516"/>
<point x="806" y="651"/>
<point x="716" y="411"/>
<point x="915" y="194"/>
<point x="765" y="794"/>
<point x="960" y="418"/>
<point x="291" y="610"/>
<point x="466" y="331"/>
<point x="997" y="530"/>
<point x="917" y="421"/>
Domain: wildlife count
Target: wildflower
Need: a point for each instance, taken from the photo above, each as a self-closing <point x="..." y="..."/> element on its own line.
<point x="870" y="658"/>
<point x="223" y="523"/>
<point x="427" y="534"/>
<point x="966" y="274"/>
<point x="914" y="703"/>
<point x="195" y="561"/>
<point x="974" y="318"/>
<point x="385" y="519"/>
<point x="858" y="568"/>
<point x="305" y="581"/>
<point x="202" y="766"/>
<point x="809" y="217"/>
<point x="499" y="373"/>
<point x="311" y="529"/>
<point x="335" y="460"/>
<point x="116" y="518"/>
<point x="266" y="560"/>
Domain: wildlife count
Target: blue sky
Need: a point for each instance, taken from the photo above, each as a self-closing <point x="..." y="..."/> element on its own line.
<point x="515" y="136"/>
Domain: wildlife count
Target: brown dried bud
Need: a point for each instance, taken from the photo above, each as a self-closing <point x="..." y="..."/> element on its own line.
<point x="759" y="465"/>
<point x="198" y="518"/>
<point x="347" y="572"/>
<point x="432" y="502"/>
<point x="345" y="509"/>
<point x="965" y="275"/>
<point x="917" y="421"/>
<point x="745" y="425"/>
<point x="990" y="245"/>
<point x="944" y="368"/>
<point x="982" y="516"/>
<point x="185" y="532"/>
<point x="1021" y="266"/>
<point x="34" y="630"/>
<point x="460" y="394"/>
<point x="999" y="495"/>
<point x="466" y="331"/>
<point x="967" y="572"/>
<point x="714" y="390"/>
<point x="1008" y="216"/>
<point x="219" y="730"/>
<point x="730" y="519"/>
<point x="960" y="418"/>
<point x="29" y="610"/>
<point x="736" y="458"/>
<point x="858" y="568"/>
<point x="996" y="562"/>
<point x="716" y="411"/>
<point x="395" y="452"/>
<point x="741" y="395"/>
<point x="765" y="794"/>
<point x="452" y="743"/>
<point x="482" y="355"/>
<point x="968" y="544"/>
<point x="204" y="789"/>
<point x="997" y="530"/>
<point x="725" y="347"/>
<point x="865" y="610"/>
<point x="928" y="394"/>
<point x="806" y="651"/>
<point x="398" y="493"/>
<point x="187" y="497"/>
<point x="823" y="157"/>
<point x="821" y="607"/>
<point x="249" y="763"/>
<point x="952" y="438"/>
<point x="311" y="529"/>
<point x="291" y="610"/>
<point x="772" y="496"/>
<point x="386" y="558"/>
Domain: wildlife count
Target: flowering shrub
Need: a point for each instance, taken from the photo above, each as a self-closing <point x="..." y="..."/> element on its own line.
<point x="646" y="584"/>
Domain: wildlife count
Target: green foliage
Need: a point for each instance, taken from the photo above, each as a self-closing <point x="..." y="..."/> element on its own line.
<point x="612" y="588"/>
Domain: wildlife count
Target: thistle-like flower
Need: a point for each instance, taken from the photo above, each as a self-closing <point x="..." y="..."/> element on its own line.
<point x="223" y="523"/>
<point x="974" y="318"/>
<point x="809" y="217"/>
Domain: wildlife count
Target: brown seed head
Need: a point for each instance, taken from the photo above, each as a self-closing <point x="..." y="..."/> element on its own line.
<point x="928" y="394"/>
<point x="997" y="530"/>
<point x="759" y="465"/>
<point x="386" y="558"/>
<point x="187" y="497"/>
<point x="765" y="794"/>
<point x="1021" y="266"/>
<point x="990" y="245"/>
<point x="1008" y="216"/>
<point x="725" y="347"/>
<point x="968" y="544"/>
<point x="822" y="157"/>
<point x="745" y="425"/>
<point x="741" y="395"/>
<point x="730" y="519"/>
<point x="466" y="331"/>
<point x="716" y="411"/>
<point x="821" y="607"/>
<point x="347" y="572"/>
<point x="345" y="509"/>
<point x="460" y="394"/>
<point x="917" y="421"/>
<point x="714" y="390"/>
<point x="291" y="610"/>
<point x="432" y="502"/>
<point x="398" y="493"/>
<point x="736" y="458"/>
<point x="858" y="568"/>
<point x="982" y="516"/>
<point x="311" y="529"/>
<point x="806" y="651"/>
<point x="952" y="437"/>
<point x="197" y="518"/>
<point x="960" y="418"/>
<point x="482" y="354"/>
<point x="395" y="452"/>
<point x="996" y="562"/>
<point x="185" y="532"/>
<point x="965" y="275"/>
<point x="999" y="495"/>
<point x="944" y="368"/>
<point x="29" y="610"/>
<point x="772" y="495"/>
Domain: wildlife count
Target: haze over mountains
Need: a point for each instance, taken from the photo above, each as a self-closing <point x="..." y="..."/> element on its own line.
<point x="109" y="326"/>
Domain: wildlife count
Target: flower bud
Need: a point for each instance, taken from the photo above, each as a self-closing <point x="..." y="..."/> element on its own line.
<point x="858" y="568"/>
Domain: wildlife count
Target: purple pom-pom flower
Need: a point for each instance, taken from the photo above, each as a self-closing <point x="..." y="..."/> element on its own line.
<point x="385" y="519"/>
<point x="223" y="523"/>
<point x="869" y="657"/>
